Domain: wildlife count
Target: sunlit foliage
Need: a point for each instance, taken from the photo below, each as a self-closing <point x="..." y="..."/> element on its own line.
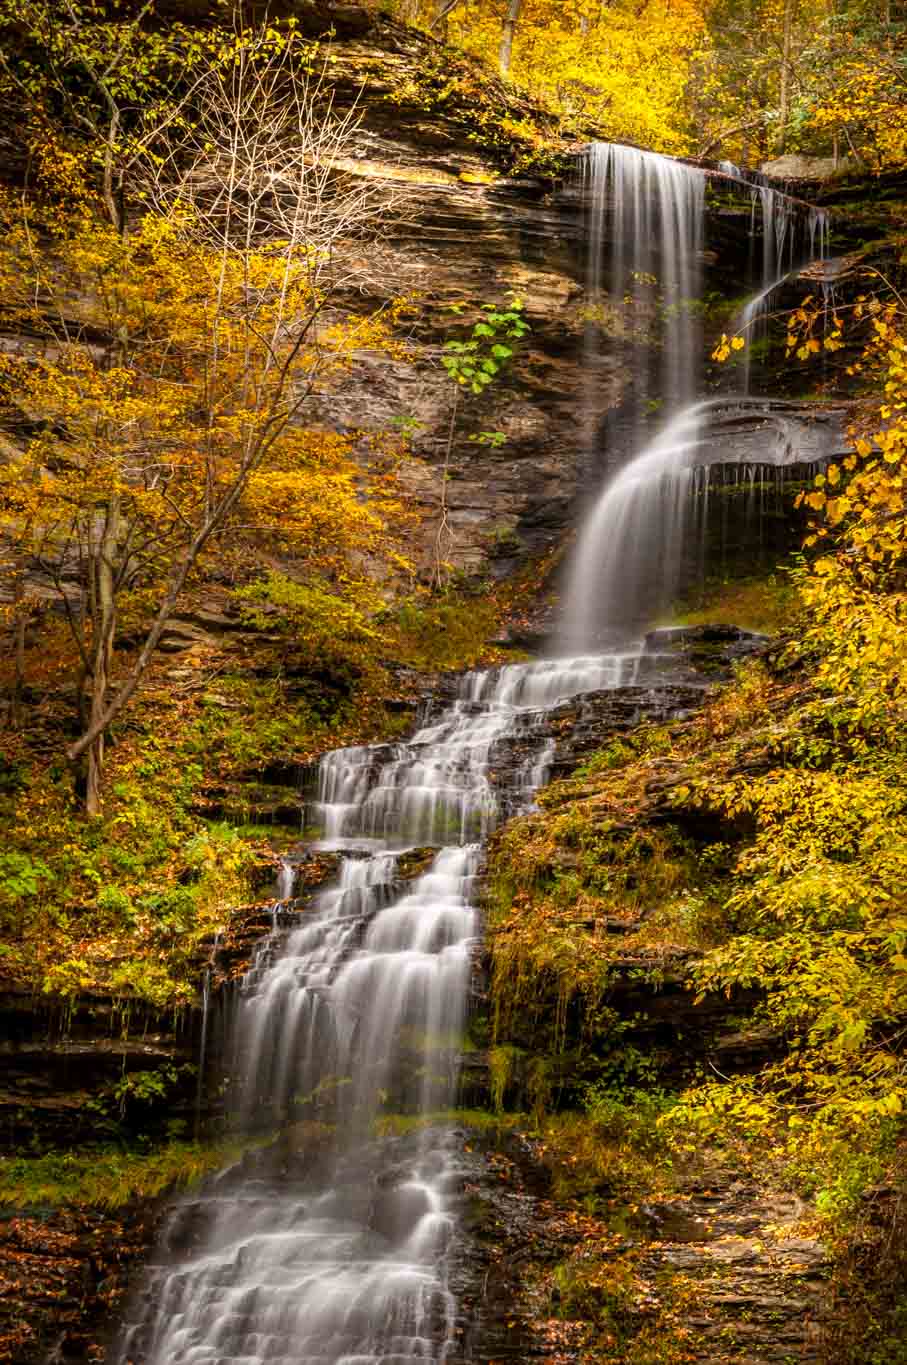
<point x="623" y="67"/>
<point x="764" y="843"/>
<point x="744" y="79"/>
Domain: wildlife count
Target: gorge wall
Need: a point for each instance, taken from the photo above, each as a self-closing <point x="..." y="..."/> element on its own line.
<point x="490" y="201"/>
<point x="489" y="204"/>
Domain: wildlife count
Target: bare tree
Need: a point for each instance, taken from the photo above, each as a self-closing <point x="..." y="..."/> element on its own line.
<point x="259" y="180"/>
<point x="265" y="162"/>
<point x="99" y="70"/>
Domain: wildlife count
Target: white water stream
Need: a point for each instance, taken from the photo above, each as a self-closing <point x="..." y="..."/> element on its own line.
<point x="332" y="1249"/>
<point x="362" y="1004"/>
<point x="627" y="564"/>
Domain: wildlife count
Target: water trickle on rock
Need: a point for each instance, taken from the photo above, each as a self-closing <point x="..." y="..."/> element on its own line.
<point x="331" y="1245"/>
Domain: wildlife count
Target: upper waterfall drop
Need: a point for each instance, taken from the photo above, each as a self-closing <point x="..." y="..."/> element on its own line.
<point x="627" y="564"/>
<point x="651" y="209"/>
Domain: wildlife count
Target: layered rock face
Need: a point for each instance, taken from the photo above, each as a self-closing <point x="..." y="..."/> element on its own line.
<point x="460" y="232"/>
<point x="483" y="199"/>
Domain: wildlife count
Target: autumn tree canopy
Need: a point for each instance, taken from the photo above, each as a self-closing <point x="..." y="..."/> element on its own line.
<point x="172" y="337"/>
<point x="742" y="79"/>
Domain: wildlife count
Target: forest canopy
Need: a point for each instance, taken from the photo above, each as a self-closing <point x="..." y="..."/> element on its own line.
<point x="742" y="79"/>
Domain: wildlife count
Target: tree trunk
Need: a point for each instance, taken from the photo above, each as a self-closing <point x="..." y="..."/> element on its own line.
<point x="114" y="211"/>
<point x="102" y="653"/>
<point x="784" y="100"/>
<point x="19" y="680"/>
<point x="20" y="624"/>
<point x="439" y="25"/>
<point x="164" y="612"/>
<point x="507" y="34"/>
<point x="95" y="775"/>
<point x="82" y="707"/>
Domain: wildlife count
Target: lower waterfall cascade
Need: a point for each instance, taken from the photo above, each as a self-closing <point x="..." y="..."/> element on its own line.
<point x="368" y="990"/>
<point x="357" y="1006"/>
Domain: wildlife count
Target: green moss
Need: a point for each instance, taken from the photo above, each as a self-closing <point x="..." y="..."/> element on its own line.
<point x="766" y="604"/>
<point x="501" y="1064"/>
<point x="107" y="1177"/>
<point x="446" y="633"/>
<point x="561" y="883"/>
<point x="614" y="755"/>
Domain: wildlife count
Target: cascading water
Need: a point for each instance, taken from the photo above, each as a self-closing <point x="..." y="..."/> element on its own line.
<point x="337" y="1267"/>
<point x="780" y="239"/>
<point x="359" y="1006"/>
<point x="331" y="1245"/>
<point x="627" y="564"/>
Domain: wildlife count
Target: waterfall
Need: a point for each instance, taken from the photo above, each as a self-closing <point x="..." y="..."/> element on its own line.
<point x="332" y="1243"/>
<point x="779" y="234"/>
<point x="649" y="210"/>
<point x="627" y="564"/>
<point x="338" y="1253"/>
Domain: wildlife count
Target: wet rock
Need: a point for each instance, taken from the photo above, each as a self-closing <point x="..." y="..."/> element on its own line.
<point x="723" y="642"/>
<point x="63" y="1275"/>
<point x="794" y="166"/>
<point x="61" y="1065"/>
<point x="759" y="1297"/>
<point x="396" y="1211"/>
<point x="264" y="804"/>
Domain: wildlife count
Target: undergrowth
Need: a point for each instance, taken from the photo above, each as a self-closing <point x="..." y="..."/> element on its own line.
<point x="125" y="905"/>
<point x="752" y="858"/>
<point x="755" y="852"/>
<point x="764" y="603"/>
<point x="479" y="1120"/>
<point x="107" y="1177"/>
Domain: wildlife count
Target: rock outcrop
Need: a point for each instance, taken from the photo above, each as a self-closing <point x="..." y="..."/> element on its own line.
<point x="484" y="198"/>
